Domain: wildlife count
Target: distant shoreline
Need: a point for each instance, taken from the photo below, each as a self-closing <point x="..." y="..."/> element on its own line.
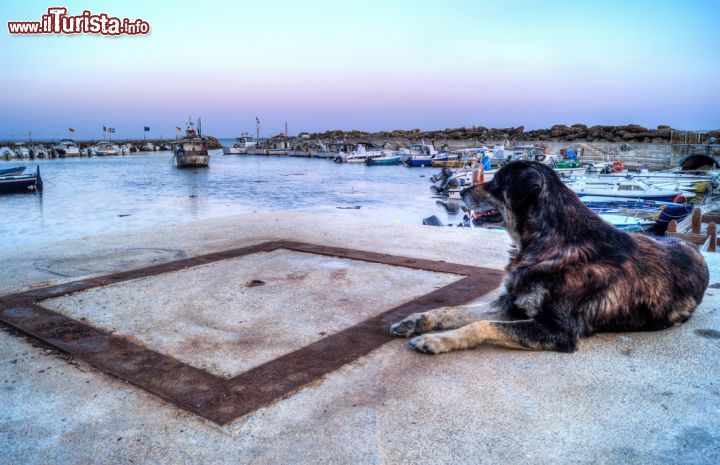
<point x="631" y="133"/>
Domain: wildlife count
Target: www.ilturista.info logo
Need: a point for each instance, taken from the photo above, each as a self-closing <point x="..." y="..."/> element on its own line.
<point x="57" y="21"/>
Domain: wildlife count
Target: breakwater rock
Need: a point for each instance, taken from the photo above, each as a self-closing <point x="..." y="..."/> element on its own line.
<point x="559" y="132"/>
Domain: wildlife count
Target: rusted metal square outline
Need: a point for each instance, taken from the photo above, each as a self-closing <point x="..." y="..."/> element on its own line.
<point x="216" y="398"/>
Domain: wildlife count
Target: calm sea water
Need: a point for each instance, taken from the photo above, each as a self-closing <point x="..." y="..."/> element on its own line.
<point x="90" y="196"/>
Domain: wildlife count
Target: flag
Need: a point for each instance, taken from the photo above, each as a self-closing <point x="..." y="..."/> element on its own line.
<point x="71" y="130"/>
<point x="110" y="129"/>
<point x="104" y="129"/>
<point x="178" y="129"/>
<point x="147" y="128"/>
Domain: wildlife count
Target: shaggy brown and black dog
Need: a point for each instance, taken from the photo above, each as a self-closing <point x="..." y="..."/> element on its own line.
<point x="572" y="274"/>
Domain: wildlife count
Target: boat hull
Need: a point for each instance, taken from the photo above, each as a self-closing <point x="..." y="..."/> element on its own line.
<point x="235" y="151"/>
<point x="21" y="183"/>
<point x="383" y="161"/>
<point x="193" y="161"/>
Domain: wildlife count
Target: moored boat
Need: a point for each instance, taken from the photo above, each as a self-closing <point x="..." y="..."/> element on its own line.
<point x="241" y="146"/>
<point x="192" y="149"/>
<point x="383" y="161"/>
<point x="629" y="188"/>
<point x="67" y="148"/>
<point x="106" y="149"/>
<point x="22" y="182"/>
<point x="17" y="170"/>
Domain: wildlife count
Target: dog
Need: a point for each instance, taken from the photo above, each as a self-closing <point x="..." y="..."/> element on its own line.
<point x="571" y="273"/>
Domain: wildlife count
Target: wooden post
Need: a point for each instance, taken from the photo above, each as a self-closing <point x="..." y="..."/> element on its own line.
<point x="672" y="227"/>
<point x="696" y="221"/>
<point x="712" y="232"/>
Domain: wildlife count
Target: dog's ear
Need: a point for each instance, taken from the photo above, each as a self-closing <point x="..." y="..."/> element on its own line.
<point x="525" y="189"/>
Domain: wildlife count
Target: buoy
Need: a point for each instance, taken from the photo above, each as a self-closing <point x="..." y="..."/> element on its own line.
<point x="478" y="174"/>
<point x="618" y="167"/>
<point x="680" y="199"/>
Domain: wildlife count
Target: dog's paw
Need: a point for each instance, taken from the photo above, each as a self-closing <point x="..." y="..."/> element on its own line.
<point x="432" y="344"/>
<point x="416" y="323"/>
<point x="404" y="328"/>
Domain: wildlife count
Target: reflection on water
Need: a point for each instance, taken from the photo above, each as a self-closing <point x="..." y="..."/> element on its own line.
<point x="90" y="196"/>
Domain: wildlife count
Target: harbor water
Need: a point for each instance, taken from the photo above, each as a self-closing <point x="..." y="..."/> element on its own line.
<point x="90" y="196"/>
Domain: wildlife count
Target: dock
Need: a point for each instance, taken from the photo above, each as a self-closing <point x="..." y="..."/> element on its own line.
<point x="262" y="338"/>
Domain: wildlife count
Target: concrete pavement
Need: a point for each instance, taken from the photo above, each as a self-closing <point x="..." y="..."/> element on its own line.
<point x="622" y="398"/>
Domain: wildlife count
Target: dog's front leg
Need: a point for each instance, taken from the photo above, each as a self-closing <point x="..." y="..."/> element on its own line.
<point x="444" y="318"/>
<point x="523" y="334"/>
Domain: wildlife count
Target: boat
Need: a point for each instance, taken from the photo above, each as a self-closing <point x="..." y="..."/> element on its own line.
<point x="21" y="151"/>
<point x="457" y="159"/>
<point x="241" y="146"/>
<point x="7" y="153"/>
<point x="424" y="160"/>
<point x="629" y="188"/>
<point x="149" y="147"/>
<point x="38" y="151"/>
<point x="360" y="154"/>
<point x="67" y="148"/>
<point x="383" y="161"/>
<point x="106" y="149"/>
<point x="192" y="149"/>
<point x="269" y="148"/>
<point x="320" y="150"/>
<point x="418" y="152"/>
<point x="12" y="171"/>
<point x="21" y="182"/>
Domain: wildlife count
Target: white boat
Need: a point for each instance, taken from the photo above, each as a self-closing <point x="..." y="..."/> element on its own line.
<point x="627" y="188"/>
<point x="38" y="151"/>
<point x="149" y="147"/>
<point x="21" y="151"/>
<point x="124" y="149"/>
<point x="7" y="153"/>
<point x="320" y="150"/>
<point x="360" y="154"/>
<point x="241" y="146"/>
<point x="417" y="151"/>
<point x="106" y="149"/>
<point x="67" y="148"/>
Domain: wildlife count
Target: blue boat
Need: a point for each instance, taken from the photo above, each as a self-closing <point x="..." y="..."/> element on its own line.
<point x="382" y="161"/>
<point x="12" y="171"/>
<point x="21" y="183"/>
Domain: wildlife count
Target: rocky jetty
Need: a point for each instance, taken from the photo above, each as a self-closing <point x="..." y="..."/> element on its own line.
<point x="558" y="132"/>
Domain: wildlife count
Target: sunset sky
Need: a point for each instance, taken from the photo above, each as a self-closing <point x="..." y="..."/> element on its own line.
<point x="365" y="65"/>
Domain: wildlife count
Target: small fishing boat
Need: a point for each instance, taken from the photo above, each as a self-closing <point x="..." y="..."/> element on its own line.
<point x="460" y="158"/>
<point x="629" y="188"/>
<point x="269" y="148"/>
<point x="192" y="150"/>
<point x="417" y="152"/>
<point x="12" y="171"/>
<point x="425" y="160"/>
<point x="320" y="150"/>
<point x="361" y="154"/>
<point x="241" y="146"/>
<point x="383" y="161"/>
<point x="22" y="182"/>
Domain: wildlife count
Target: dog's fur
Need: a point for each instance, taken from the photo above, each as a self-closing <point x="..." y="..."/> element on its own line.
<point x="571" y="275"/>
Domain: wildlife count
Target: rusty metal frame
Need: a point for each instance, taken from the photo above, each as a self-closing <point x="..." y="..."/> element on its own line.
<point x="216" y="398"/>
